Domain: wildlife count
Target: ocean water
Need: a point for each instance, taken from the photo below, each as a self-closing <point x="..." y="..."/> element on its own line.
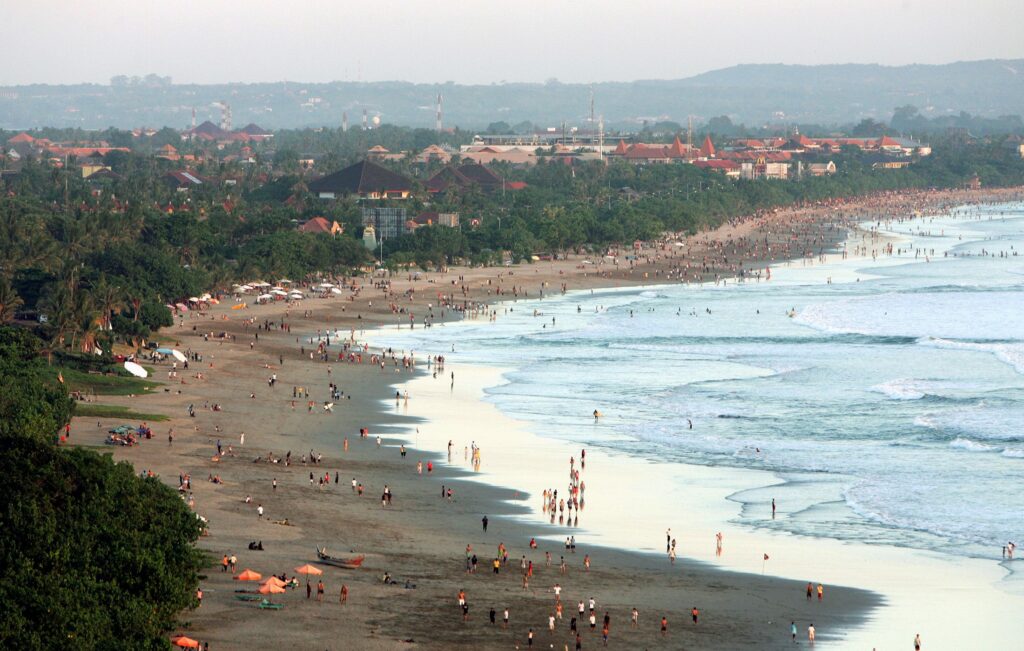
<point x="886" y="407"/>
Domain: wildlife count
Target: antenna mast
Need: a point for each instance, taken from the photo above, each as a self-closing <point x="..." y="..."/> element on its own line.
<point x="225" y="116"/>
<point x="439" y="113"/>
<point x="689" y="136"/>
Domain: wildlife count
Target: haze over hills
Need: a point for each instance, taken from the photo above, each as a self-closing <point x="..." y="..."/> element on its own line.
<point x="752" y="94"/>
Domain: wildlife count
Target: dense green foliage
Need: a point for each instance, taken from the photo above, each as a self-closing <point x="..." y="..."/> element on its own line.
<point x="32" y="402"/>
<point x="101" y="267"/>
<point x="92" y="556"/>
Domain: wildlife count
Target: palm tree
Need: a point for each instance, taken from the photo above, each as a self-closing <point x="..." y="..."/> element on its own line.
<point x="110" y="301"/>
<point x="58" y="306"/>
<point x="9" y="301"/>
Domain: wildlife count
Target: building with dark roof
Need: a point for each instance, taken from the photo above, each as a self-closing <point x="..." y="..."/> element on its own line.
<point x="182" y="180"/>
<point x="465" y="176"/>
<point x="364" y="180"/>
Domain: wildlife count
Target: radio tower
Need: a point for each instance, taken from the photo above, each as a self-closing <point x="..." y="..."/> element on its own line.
<point x="344" y="121"/>
<point x="193" y="118"/>
<point x="225" y="116"/>
<point x="689" y="136"/>
<point x="366" y="124"/>
<point x="439" y="113"/>
<point x="591" y="108"/>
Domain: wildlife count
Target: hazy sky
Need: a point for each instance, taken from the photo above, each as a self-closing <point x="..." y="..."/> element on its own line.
<point x="484" y="41"/>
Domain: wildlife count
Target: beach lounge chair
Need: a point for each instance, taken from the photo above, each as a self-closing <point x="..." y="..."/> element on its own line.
<point x="266" y="605"/>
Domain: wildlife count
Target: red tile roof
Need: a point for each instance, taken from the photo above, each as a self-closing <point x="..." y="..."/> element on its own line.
<point x="717" y="164"/>
<point x="316" y="225"/>
<point x="707" y="150"/>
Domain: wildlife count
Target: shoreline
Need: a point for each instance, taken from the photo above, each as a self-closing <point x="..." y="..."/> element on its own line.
<point x="224" y="621"/>
<point x="879" y="568"/>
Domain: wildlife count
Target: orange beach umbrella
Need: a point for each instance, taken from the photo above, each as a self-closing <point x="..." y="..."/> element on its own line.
<point x="273" y="580"/>
<point x="308" y="569"/>
<point x="249" y="575"/>
<point x="270" y="588"/>
<point x="185" y="642"/>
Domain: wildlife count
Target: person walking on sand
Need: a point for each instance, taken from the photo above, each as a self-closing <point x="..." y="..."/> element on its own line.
<point x="664" y="626"/>
<point x="792" y="630"/>
<point x="695" y="614"/>
<point x="259" y="511"/>
<point x="810" y="633"/>
<point x="343" y="599"/>
<point x="917" y="642"/>
<point x="504" y="619"/>
<point x="320" y="591"/>
<point x="484" y="522"/>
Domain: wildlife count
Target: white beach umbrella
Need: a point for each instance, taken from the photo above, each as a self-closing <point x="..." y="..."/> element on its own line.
<point x="135" y="369"/>
<point x="178" y="355"/>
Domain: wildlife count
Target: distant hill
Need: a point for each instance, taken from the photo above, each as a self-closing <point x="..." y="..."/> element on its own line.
<point x="753" y="94"/>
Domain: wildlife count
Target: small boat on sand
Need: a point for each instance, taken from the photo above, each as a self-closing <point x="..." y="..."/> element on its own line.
<point x="350" y="563"/>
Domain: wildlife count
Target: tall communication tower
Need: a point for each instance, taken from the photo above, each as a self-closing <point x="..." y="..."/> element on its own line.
<point x="600" y="138"/>
<point x="591" y="108"/>
<point x="366" y="122"/>
<point x="225" y="116"/>
<point x="689" y="136"/>
<point x="193" y="118"/>
<point x="439" y="113"/>
<point x="344" y="121"/>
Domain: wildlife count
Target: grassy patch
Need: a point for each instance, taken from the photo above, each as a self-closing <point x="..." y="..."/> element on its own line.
<point x="107" y="385"/>
<point x="93" y="410"/>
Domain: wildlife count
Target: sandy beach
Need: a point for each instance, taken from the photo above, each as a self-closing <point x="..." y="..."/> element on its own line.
<point x="421" y="538"/>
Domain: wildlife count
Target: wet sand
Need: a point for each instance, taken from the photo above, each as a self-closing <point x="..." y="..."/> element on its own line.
<point x="421" y="537"/>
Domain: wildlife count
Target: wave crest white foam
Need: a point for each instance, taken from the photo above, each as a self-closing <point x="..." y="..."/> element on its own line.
<point x="900" y="389"/>
<point x="972" y="446"/>
<point x="1009" y="353"/>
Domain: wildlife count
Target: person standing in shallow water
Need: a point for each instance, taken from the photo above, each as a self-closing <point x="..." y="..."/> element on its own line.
<point x="484" y="522"/>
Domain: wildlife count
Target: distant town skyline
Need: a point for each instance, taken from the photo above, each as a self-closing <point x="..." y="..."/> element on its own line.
<point x="485" y="42"/>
